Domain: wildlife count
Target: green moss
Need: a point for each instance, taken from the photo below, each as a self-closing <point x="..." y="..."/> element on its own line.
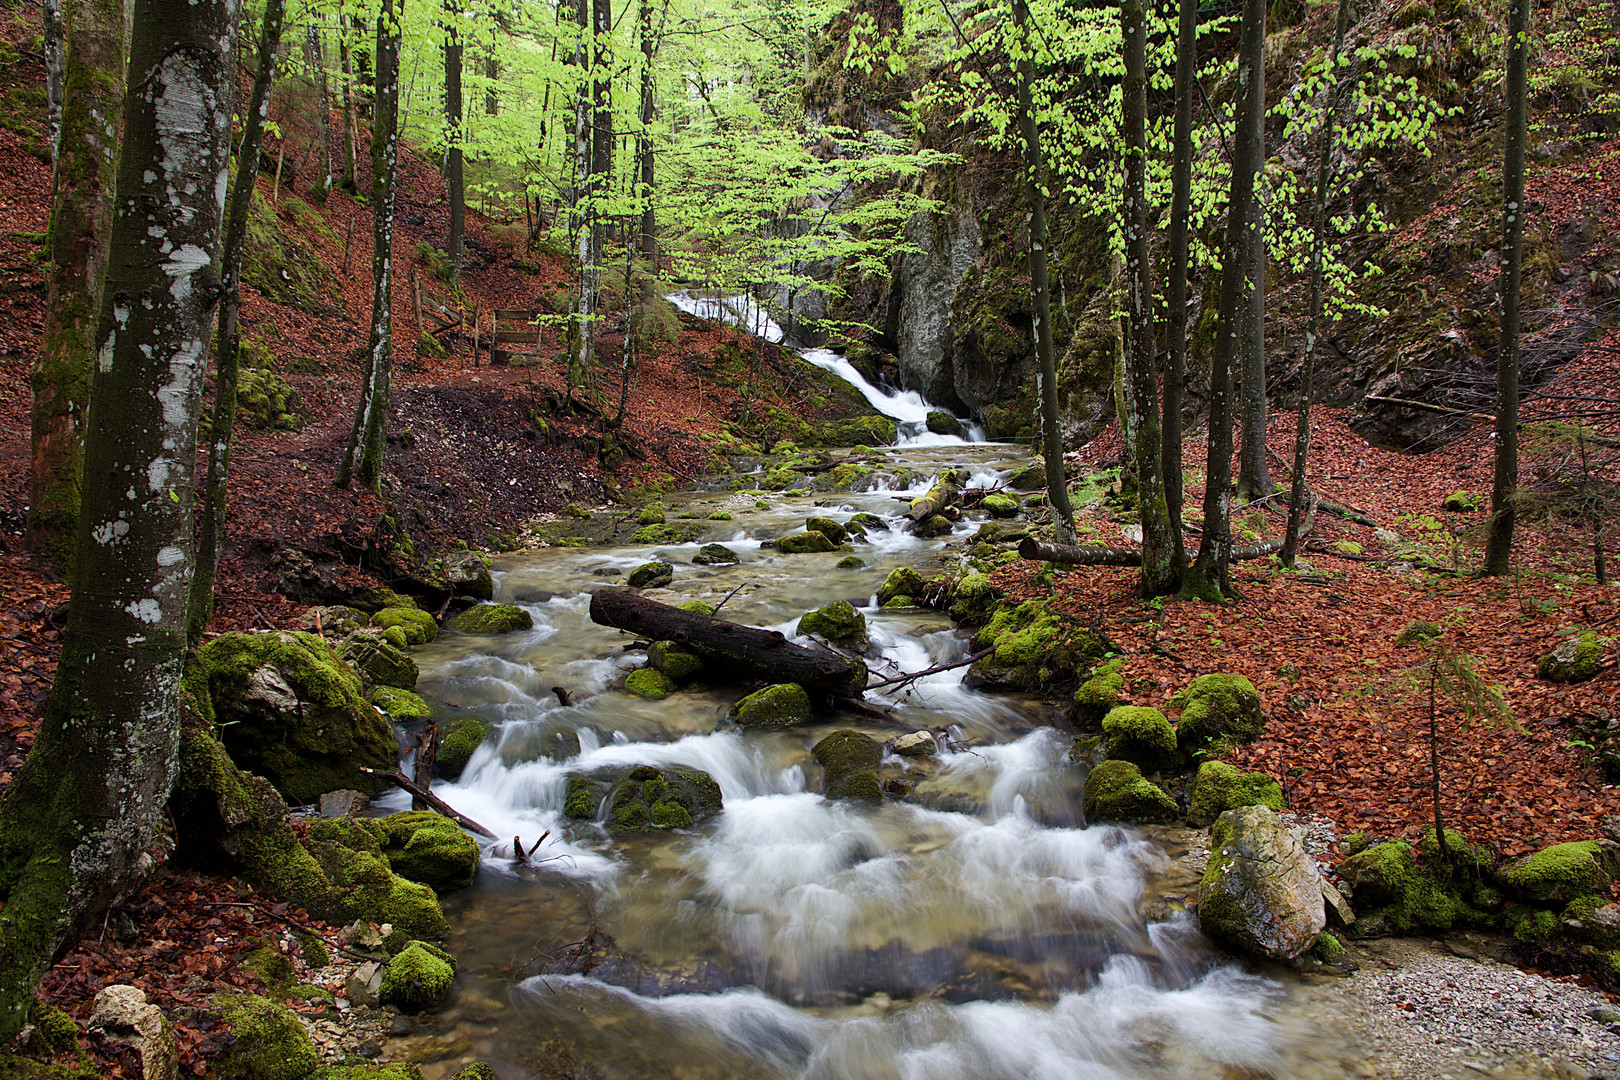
<point x="266" y="401"/>
<point x="827" y="527"/>
<point x="402" y="706"/>
<point x="649" y="683"/>
<point x="1140" y="735"/>
<point x="669" y="815"/>
<point x="1032" y="646"/>
<point x="1328" y="949"/>
<point x="780" y="479"/>
<point x="54" y="1030"/>
<point x="583" y="798"/>
<point x="861" y="430"/>
<point x="416" y="979"/>
<point x="901" y="582"/>
<point x="720" y="515"/>
<point x="932" y="527"/>
<point x="851" y="562"/>
<point x="973" y="599"/>
<point x="1417" y="633"/>
<point x="1463" y="502"/>
<point x="283" y="268"/>
<point x="1117" y="791"/>
<point x="698" y="607"/>
<point x="1395" y="894"/>
<point x="842" y="477"/>
<point x="1029" y="478"/>
<point x="270" y="965"/>
<point x="1562" y="872"/>
<point x="312" y="949"/>
<point x="1102" y="689"/>
<point x="1218" y="787"/>
<point x="1000" y="506"/>
<point x="269" y="1043"/>
<point x="1222" y="706"/>
<point x="382" y="662"/>
<point x="492" y="619"/>
<point x="414" y="908"/>
<point x="1471" y="860"/>
<point x="476" y="1071"/>
<point x="651" y="798"/>
<point x="1575" y="660"/>
<point x="459" y="737"/>
<point x="805" y="543"/>
<point x="774" y="706"/>
<point x="1535" y="927"/>
<point x="419" y="626"/>
<point x="838" y="623"/>
<point x="398" y="1070"/>
<point x="676" y="661"/>
<point x="652" y="575"/>
<point x="848" y="760"/>
<point x="666" y="534"/>
<point x="651" y="514"/>
<point x="430" y="848"/>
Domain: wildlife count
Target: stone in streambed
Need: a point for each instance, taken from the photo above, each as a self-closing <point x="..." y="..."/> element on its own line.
<point x="839" y="623"/>
<point x="973" y="599"/>
<point x="429" y="848"/>
<point x="943" y="423"/>
<point x="775" y="706"/>
<point x="467" y="573"/>
<point x="650" y="798"/>
<point x="935" y="525"/>
<point x="649" y="683"/>
<point x="1029" y="478"/>
<point x="419" y="626"/>
<point x="1000" y="506"/>
<point x="492" y="619"/>
<point x="459" y="737"/>
<point x="827" y="527"/>
<point x="917" y="744"/>
<point x="714" y="555"/>
<point x="869" y="521"/>
<point x="849" y="762"/>
<point x="851" y="562"/>
<point x="674" y="660"/>
<point x="652" y="575"/>
<point x="805" y="543"/>
<point x="1261" y="891"/>
<point x="902" y="582"/>
<point x="1116" y="791"/>
<point x="417" y="979"/>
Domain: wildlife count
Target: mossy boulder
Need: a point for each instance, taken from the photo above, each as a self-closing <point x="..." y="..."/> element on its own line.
<point x="649" y="683"/>
<point x="402" y="706"/>
<point x="1561" y="873"/>
<point x="932" y="527"/>
<point x="382" y="662"/>
<point x="849" y="762"/>
<point x="1261" y="891"/>
<point x="775" y="706"/>
<point x="827" y="527"/>
<point x="1462" y="502"/>
<point x="1218" y="707"/>
<point x="266" y="401"/>
<point x="1576" y="659"/>
<point x="1029" y="478"/>
<point x="842" y="477"/>
<point x="901" y="582"/>
<point x="851" y="562"/>
<point x="714" y="555"/>
<point x="430" y="848"/>
<point x="416" y="979"/>
<point x="1000" y="506"/>
<point x="1396" y="893"/>
<point x="1116" y="790"/>
<point x="1418" y="633"/>
<point x="652" y="575"/>
<point x="582" y="797"/>
<point x="292" y="711"/>
<point x="943" y="423"/>
<point x="869" y="522"/>
<point x="1032" y="646"/>
<point x="468" y="574"/>
<point x="780" y="479"/>
<point x="492" y="619"/>
<point x="1101" y="691"/>
<point x="268" y="1041"/>
<point x="459" y="737"/>
<point x="666" y="534"/>
<point x="651" y="514"/>
<point x="674" y="660"/>
<point x="1140" y="735"/>
<point x="973" y="599"/>
<point x="839" y="622"/>
<point x="419" y="626"/>
<point x="651" y="798"/>
<point x="398" y="1070"/>
<point x="1219" y="787"/>
<point x="805" y="543"/>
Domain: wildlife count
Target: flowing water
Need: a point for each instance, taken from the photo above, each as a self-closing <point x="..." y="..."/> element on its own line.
<point x="976" y="930"/>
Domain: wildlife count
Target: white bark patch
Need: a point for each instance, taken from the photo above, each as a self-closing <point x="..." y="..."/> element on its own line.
<point x="110" y="532"/>
<point x="169" y="555"/>
<point x="181" y="265"/>
<point x="147" y="611"/>
<point x="176" y="394"/>
<point x="157" y="474"/>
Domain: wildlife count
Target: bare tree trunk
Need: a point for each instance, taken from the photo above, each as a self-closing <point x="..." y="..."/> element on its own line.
<point x="315" y="56"/>
<point x="583" y="334"/>
<point x="55" y="72"/>
<point x="1505" y="482"/>
<point x="1209" y="577"/>
<point x="76" y="821"/>
<point x="1254" y="473"/>
<point x="83" y="183"/>
<point x="1035" y="201"/>
<point x="1176" y="292"/>
<point x="1313" y="329"/>
<point x="453" y="170"/>
<point x="368" y="442"/>
<point x="644" y="143"/>
<point x="351" y="126"/>
<point x="211" y="526"/>
<point x="1161" y="573"/>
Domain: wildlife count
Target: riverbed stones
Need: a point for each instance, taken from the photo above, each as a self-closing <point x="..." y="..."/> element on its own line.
<point x="459" y="737"/>
<point x="1218" y="707"/>
<point x="1219" y="787"/>
<point x="291" y="711"/>
<point x="714" y="555"/>
<point x="1000" y="506"/>
<point x="973" y="599"/>
<point x="1576" y="659"/>
<point x="467" y="573"/>
<point x="1261" y="891"/>
<point x="869" y="522"/>
<point x="1140" y="735"/>
<point x="943" y="423"/>
<point x="849" y="762"/>
<point x="851" y="562"/>
<point x="380" y="661"/>
<point x="932" y="527"/>
<point x="839" y="622"/>
<point x="1116" y="790"/>
<point x="651" y="799"/>
<point x="419" y="626"/>
<point x="652" y="575"/>
<point x="917" y="744"/>
<point x="827" y="527"/>
<point x="417" y="979"/>
<point x="901" y="582"/>
<point x="1558" y="874"/>
<point x="430" y="848"/>
<point x="674" y="660"/>
<point x="492" y="619"/>
<point x="650" y="684"/>
<point x="782" y="705"/>
<point x="805" y="543"/>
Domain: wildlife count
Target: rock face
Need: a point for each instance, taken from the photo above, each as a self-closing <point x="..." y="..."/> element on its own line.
<point x="468" y="574"/>
<point x="291" y="711"/>
<point x="849" y="762"/>
<point x="839" y="623"/>
<point x="775" y="706"/>
<point x="1116" y="791"/>
<point x="1576" y="659"/>
<point x="650" y="798"/>
<point x="122" y="1012"/>
<point x="927" y="280"/>
<point x="1261" y="891"/>
<point x="714" y="555"/>
<point x="1218" y="707"/>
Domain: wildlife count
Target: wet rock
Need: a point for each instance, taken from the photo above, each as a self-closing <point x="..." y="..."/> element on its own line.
<point x="676" y="661"/>
<point x="805" y="543"/>
<point x="1338" y="910"/>
<point x="1562" y="872"/>
<point x="652" y="575"/>
<point x="1116" y="791"/>
<point x="714" y="555"/>
<point x="344" y="803"/>
<point x="666" y="534"/>
<point x="1100" y="692"/>
<point x="123" y="1013"/>
<point x="851" y="562"/>
<point x="649" y="683"/>
<point x="943" y="423"/>
<point x="430" y="848"/>
<point x="932" y="527"/>
<point x="849" y="762"/>
<point x="1140" y="735"/>
<point x="973" y="599"/>
<point x="651" y="514"/>
<point x="650" y="798"/>
<point x="917" y="744"/>
<point x="291" y="711"/>
<point x="1215" y="707"/>
<point x="1029" y="478"/>
<point x="829" y="528"/>
<point x="901" y="582"/>
<point x="402" y="706"/>
<point x="583" y="797"/>
<point x="270" y="1043"/>
<point x="418" y="626"/>
<point x="459" y="737"/>
<point x="1261" y="891"/>
<point x="492" y="619"/>
<point x="1219" y="787"/>
<point x="1576" y="659"/>
<point x="870" y="522"/>
<point x="467" y="573"/>
<point x="775" y="706"/>
<point x="1000" y="506"/>
<point x="838" y="623"/>
<point x="417" y="978"/>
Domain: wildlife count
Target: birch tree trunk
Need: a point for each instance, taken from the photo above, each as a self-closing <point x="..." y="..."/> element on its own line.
<point x="227" y="366"/>
<point x="83" y="183"/>
<point x="76" y="822"/>
<point x="1176" y="291"/>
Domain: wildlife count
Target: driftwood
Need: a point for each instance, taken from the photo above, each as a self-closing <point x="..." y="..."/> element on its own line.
<point x="434" y="802"/>
<point x="427" y="750"/>
<point x="946" y="490"/>
<point x="755" y="653"/>
<point x="1099" y="555"/>
<point x="901" y="680"/>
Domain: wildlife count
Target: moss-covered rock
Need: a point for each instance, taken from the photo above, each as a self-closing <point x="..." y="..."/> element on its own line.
<point x="1032" y="646"/>
<point x="416" y="979"/>
<point x="932" y="527"/>
<point x="851" y="562"/>
<point x="805" y="543"/>
<point x="266" y="401"/>
<point x="1029" y="478"/>
<point x="698" y="607"/>
<point x="397" y="1070"/>
<point x="1000" y="506"/>
<point x="1219" y="787"/>
<point x="468" y="574"/>
<point x="649" y="683"/>
<point x="419" y="626"/>
<point x="780" y="479"/>
<point x="973" y="599"/>
<point x="1261" y="891"/>
<point x="1218" y="707"/>
<point x="382" y="662"/>
<point x="842" y="477"/>
<point x="827" y="527"/>
<point x="402" y="706"/>
<point x="1418" y="633"/>
<point x="1140" y="735"/>
<point x="582" y="798"/>
<point x="1576" y="659"/>
<point x="459" y="737"/>
<point x="651" y="514"/>
<point x="1462" y="502"/>
<point x="1563" y="872"/>
<point x="901" y="582"/>
<point x="858" y="431"/>
<point x="430" y="848"/>
<point x="492" y="619"/>
<point x="839" y="622"/>
<point x="292" y="711"/>
<point x="775" y="706"/>
<point x="869" y="522"/>
<point x="1101" y="691"/>
<point x="849" y="763"/>
<point x="1395" y="894"/>
<point x="650" y="798"/>
<point x="269" y="1043"/>
<point x="1115" y="790"/>
<point x="714" y="555"/>
<point x="666" y="534"/>
<point x="652" y="575"/>
<point x="676" y="661"/>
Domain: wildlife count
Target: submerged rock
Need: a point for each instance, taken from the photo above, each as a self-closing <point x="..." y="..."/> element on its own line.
<point x="649" y="683"/>
<point x="650" y="798"/>
<point x="652" y="575"/>
<point x="869" y="522"/>
<point x="492" y="619"/>
<point x="1576" y="659"/>
<point x="1116" y="791"/>
<point x="459" y="737"/>
<point x="775" y="706"/>
<point x="839" y="623"/>
<point x="1219" y="787"/>
<point x="1261" y="891"/>
<point x="1218" y="707"/>
<point x="849" y="762"/>
<point x="714" y="555"/>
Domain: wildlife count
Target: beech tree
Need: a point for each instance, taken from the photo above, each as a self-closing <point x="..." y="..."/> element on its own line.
<point x="1176" y="289"/>
<point x="82" y="182"/>
<point x="76" y="821"/>
<point x="454" y="174"/>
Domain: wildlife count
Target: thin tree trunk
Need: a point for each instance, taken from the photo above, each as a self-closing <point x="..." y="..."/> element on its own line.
<point x="77" y="819"/>
<point x="1161" y="573"/>
<point x="1209" y="577"/>
<point x="1176" y="292"/>
<point x="492" y="75"/>
<point x="1505" y="482"/>
<point x="453" y="170"/>
<point x="1434" y="765"/>
<point x="315" y="57"/>
<point x="644" y="143"/>
<point x="55" y="72"/>
<point x="1254" y="473"/>
<point x="351" y="127"/>
<point x="1035" y="202"/>
<point x="83" y="185"/>
<point x="1313" y="329"/>
<point x="583" y="218"/>
<point x="368" y="442"/>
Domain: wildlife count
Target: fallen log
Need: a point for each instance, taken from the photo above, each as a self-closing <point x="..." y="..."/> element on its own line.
<point x="1100" y="555"/>
<point x="754" y="653"/>
<point x="946" y="490"/>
